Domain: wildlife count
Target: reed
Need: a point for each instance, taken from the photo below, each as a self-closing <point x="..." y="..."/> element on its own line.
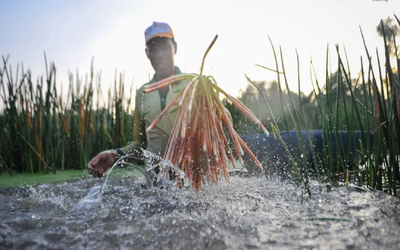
<point x="45" y="131"/>
<point x="360" y="115"/>
<point x="198" y="143"/>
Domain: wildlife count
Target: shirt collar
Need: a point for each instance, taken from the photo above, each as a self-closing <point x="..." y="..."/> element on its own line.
<point x="177" y="72"/>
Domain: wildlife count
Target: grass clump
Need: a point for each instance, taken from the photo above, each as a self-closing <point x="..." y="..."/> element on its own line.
<point x="358" y="117"/>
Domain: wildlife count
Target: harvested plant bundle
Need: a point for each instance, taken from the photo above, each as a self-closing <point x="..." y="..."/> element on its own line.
<point x="198" y="141"/>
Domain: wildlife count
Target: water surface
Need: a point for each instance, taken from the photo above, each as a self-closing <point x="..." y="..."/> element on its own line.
<point x="246" y="213"/>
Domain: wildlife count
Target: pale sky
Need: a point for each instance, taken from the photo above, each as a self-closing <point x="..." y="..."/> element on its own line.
<point x="71" y="32"/>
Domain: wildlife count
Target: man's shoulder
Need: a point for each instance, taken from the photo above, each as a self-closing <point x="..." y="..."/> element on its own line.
<point x="144" y="85"/>
<point x="153" y="80"/>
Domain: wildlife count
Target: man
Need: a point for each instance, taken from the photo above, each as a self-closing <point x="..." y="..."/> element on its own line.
<point x="161" y="48"/>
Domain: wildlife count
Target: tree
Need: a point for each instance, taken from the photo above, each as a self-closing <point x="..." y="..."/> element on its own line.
<point x="390" y="29"/>
<point x="253" y="99"/>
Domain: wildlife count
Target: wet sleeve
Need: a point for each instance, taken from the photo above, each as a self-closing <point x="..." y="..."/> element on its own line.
<point x="139" y="130"/>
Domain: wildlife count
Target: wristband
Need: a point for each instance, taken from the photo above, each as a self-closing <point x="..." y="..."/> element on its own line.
<point x="119" y="152"/>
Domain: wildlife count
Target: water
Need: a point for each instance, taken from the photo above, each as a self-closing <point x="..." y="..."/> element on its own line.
<point x="246" y="213"/>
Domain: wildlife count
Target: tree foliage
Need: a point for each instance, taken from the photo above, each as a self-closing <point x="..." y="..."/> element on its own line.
<point x="253" y="99"/>
<point x="390" y="30"/>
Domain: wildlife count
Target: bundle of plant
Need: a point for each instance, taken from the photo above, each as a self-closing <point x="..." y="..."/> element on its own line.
<point x="199" y="140"/>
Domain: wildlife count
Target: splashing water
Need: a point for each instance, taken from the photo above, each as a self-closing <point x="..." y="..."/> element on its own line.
<point x="146" y="177"/>
<point x="247" y="212"/>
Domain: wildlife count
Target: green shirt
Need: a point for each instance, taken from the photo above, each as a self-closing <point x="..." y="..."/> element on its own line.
<point x="147" y="108"/>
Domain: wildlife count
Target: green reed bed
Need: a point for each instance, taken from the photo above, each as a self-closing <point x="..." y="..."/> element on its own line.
<point x="45" y="131"/>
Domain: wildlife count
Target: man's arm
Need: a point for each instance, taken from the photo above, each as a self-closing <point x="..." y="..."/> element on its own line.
<point x="139" y="130"/>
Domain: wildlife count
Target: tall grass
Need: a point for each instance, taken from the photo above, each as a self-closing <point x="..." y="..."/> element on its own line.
<point x="44" y="131"/>
<point x="359" y="120"/>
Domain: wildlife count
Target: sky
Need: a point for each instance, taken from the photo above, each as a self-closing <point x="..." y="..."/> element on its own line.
<point x="112" y="32"/>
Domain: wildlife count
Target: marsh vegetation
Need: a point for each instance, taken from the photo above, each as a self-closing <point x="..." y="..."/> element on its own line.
<point x="44" y="130"/>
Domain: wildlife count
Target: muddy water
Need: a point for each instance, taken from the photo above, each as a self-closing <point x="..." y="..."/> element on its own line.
<point x="247" y="213"/>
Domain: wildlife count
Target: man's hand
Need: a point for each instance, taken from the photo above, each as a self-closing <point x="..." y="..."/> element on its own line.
<point x="102" y="162"/>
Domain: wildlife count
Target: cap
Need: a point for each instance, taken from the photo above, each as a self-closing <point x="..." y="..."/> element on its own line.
<point x="158" y="29"/>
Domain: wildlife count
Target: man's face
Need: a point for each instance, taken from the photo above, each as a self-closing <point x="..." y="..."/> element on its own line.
<point x="161" y="51"/>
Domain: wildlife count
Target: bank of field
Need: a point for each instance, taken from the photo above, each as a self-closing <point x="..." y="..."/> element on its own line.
<point x="27" y="179"/>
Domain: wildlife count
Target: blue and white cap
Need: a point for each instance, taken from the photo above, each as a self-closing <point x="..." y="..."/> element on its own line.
<point x="158" y="29"/>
